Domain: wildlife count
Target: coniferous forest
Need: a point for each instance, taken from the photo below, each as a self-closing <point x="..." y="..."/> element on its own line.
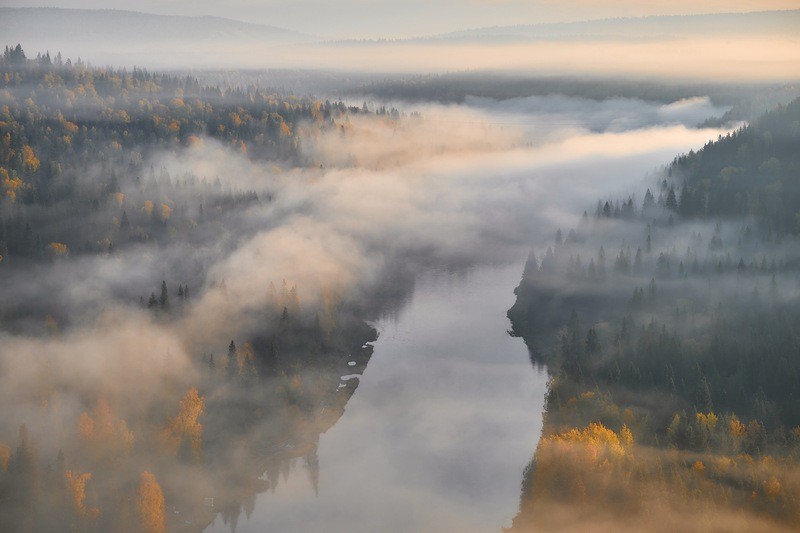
<point x="671" y="321"/>
<point x="178" y="449"/>
<point x="260" y="267"/>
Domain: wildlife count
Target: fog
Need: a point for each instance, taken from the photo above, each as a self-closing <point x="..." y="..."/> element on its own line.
<point x="478" y="194"/>
<point x="412" y="453"/>
<point x="680" y="59"/>
<point x="229" y="307"/>
<point x="720" y="48"/>
<point x="377" y="201"/>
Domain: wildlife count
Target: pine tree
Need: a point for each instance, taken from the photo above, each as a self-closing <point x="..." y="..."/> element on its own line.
<point x="672" y="201"/>
<point x="703" y="402"/>
<point x="231" y="365"/>
<point x="124" y="223"/>
<point x="163" y="301"/>
<point x="592" y="343"/>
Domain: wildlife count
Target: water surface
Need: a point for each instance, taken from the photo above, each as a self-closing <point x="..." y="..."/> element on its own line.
<point x="439" y="431"/>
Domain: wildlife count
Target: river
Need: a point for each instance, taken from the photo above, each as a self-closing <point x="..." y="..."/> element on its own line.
<point x="438" y="432"/>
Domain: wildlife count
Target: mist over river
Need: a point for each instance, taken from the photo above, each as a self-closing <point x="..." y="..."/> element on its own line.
<point x="440" y="429"/>
<point x="448" y="410"/>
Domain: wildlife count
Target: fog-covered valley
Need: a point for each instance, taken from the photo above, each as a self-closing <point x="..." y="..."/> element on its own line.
<point x="241" y="299"/>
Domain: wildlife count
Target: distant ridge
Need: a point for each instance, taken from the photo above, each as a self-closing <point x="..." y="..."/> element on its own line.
<point x="775" y="23"/>
<point x="783" y="22"/>
<point x="40" y="28"/>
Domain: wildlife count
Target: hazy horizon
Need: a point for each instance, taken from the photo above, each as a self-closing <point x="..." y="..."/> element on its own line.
<point x="723" y="48"/>
<point x="368" y="19"/>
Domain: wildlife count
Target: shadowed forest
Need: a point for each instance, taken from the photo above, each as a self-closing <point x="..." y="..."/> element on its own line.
<point x="88" y="450"/>
<point x="670" y="322"/>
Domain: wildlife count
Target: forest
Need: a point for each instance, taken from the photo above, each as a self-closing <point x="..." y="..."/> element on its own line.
<point x="175" y="442"/>
<point x="746" y="101"/>
<point x="670" y="325"/>
<point x="195" y="267"/>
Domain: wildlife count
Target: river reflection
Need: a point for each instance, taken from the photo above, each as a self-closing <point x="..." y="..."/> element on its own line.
<point x="439" y="430"/>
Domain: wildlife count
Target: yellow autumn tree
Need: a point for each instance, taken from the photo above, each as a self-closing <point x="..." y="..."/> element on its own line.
<point x="150" y="504"/>
<point x="11" y="186"/>
<point x="107" y="436"/>
<point x="699" y="468"/>
<point x="76" y="488"/>
<point x="185" y="428"/>
<point x="29" y="161"/>
<point x="58" y="249"/>
<point x="86" y="426"/>
<point x="5" y="456"/>
<point x="737" y="429"/>
<point x="596" y="437"/>
<point x="708" y="421"/>
<point x="582" y="463"/>
<point x="626" y="436"/>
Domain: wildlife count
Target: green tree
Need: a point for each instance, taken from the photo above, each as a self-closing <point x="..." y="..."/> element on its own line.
<point x="163" y="301"/>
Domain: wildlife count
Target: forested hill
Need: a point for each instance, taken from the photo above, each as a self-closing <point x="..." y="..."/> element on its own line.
<point x="754" y="171"/>
<point x="75" y="141"/>
<point x="54" y="113"/>
<point x="86" y="186"/>
<point x="675" y="370"/>
<point x="60" y="27"/>
<point x="738" y="24"/>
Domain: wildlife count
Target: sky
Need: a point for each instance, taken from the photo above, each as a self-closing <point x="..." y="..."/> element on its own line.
<point x="408" y="18"/>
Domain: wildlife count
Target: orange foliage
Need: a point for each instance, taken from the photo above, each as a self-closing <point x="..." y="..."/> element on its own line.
<point x="29" y="161"/>
<point x="11" y="185"/>
<point x="76" y="487"/>
<point x="104" y="431"/>
<point x="150" y="504"/>
<point x="772" y="487"/>
<point x="185" y="427"/>
<point x="5" y="455"/>
<point x="595" y="437"/>
<point x="103" y="419"/>
<point x="626" y="436"/>
<point x="699" y="468"/>
<point x="58" y="249"/>
<point x="709" y="421"/>
<point x="736" y="427"/>
<point x="86" y="426"/>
